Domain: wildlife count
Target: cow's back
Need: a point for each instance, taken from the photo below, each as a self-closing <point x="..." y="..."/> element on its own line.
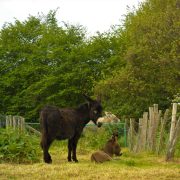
<point x="50" y="119"/>
<point x="60" y="123"/>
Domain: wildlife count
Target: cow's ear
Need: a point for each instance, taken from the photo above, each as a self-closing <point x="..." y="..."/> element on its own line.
<point x="87" y="98"/>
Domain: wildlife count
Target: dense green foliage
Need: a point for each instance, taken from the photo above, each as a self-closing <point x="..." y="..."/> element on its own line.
<point x="95" y="138"/>
<point x="151" y="74"/>
<point x="18" y="147"/>
<point x="42" y="63"/>
<point x="130" y="67"/>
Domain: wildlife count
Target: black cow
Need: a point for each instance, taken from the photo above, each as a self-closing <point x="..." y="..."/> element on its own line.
<point x="67" y="123"/>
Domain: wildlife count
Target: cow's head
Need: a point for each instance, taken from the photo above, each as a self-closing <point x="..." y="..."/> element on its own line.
<point x="95" y="109"/>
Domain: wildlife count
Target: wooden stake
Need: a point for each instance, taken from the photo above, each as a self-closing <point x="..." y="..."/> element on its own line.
<point x="173" y="121"/>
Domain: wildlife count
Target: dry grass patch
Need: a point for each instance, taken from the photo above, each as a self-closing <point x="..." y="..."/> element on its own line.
<point x="129" y="166"/>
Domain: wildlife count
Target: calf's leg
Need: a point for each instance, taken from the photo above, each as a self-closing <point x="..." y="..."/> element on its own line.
<point x="100" y="157"/>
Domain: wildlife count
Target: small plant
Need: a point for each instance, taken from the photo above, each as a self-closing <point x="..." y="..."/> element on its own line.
<point x="18" y="147"/>
<point x="130" y="163"/>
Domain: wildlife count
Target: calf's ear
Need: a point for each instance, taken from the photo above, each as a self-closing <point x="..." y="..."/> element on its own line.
<point x="114" y="138"/>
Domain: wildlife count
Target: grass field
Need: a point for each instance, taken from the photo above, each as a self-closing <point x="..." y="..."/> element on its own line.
<point x="129" y="166"/>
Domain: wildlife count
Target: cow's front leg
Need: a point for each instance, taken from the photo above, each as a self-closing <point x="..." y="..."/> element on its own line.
<point x="74" y="146"/>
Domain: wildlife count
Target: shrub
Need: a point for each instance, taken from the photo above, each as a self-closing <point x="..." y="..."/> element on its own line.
<point x="19" y="147"/>
<point x="95" y="138"/>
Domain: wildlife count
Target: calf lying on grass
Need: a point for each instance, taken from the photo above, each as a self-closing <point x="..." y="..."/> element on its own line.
<point x="111" y="148"/>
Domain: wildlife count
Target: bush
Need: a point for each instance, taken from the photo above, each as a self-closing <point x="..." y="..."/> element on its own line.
<point x="95" y="138"/>
<point x="19" y="147"/>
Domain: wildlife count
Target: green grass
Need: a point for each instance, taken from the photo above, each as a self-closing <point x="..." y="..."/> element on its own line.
<point x="129" y="166"/>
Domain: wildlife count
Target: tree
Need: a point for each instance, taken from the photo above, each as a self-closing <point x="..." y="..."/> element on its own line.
<point x="41" y="63"/>
<point x="152" y="71"/>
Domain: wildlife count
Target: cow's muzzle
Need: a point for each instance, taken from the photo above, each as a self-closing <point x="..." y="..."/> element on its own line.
<point x="99" y="124"/>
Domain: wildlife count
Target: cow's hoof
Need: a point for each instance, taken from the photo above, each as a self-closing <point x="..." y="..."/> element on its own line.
<point x="76" y="161"/>
<point x="69" y="159"/>
<point x="48" y="160"/>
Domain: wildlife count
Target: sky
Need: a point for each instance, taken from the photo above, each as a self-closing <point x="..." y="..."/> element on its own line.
<point x="95" y="15"/>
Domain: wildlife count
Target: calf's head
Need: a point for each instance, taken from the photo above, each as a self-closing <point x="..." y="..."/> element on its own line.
<point x="112" y="147"/>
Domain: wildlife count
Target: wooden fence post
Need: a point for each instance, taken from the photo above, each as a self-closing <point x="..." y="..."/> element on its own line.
<point x="131" y="134"/>
<point x="150" y="127"/>
<point x="155" y="126"/>
<point x="139" y="136"/>
<point x="19" y="123"/>
<point x="14" y="122"/>
<point x="173" y="121"/>
<point x="22" y="126"/>
<point x="126" y="131"/>
<point x="7" y="121"/>
<point x="10" y="121"/>
<point x="162" y="128"/>
<point x="172" y="143"/>
<point x="174" y="134"/>
<point x="144" y="130"/>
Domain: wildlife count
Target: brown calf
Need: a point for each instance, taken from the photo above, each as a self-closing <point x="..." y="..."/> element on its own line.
<point x="111" y="148"/>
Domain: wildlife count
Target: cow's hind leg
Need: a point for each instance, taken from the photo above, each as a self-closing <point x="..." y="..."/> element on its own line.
<point x="45" y="144"/>
<point x="69" y="149"/>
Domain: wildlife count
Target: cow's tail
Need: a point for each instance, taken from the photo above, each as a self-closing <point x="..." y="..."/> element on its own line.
<point x="44" y="128"/>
